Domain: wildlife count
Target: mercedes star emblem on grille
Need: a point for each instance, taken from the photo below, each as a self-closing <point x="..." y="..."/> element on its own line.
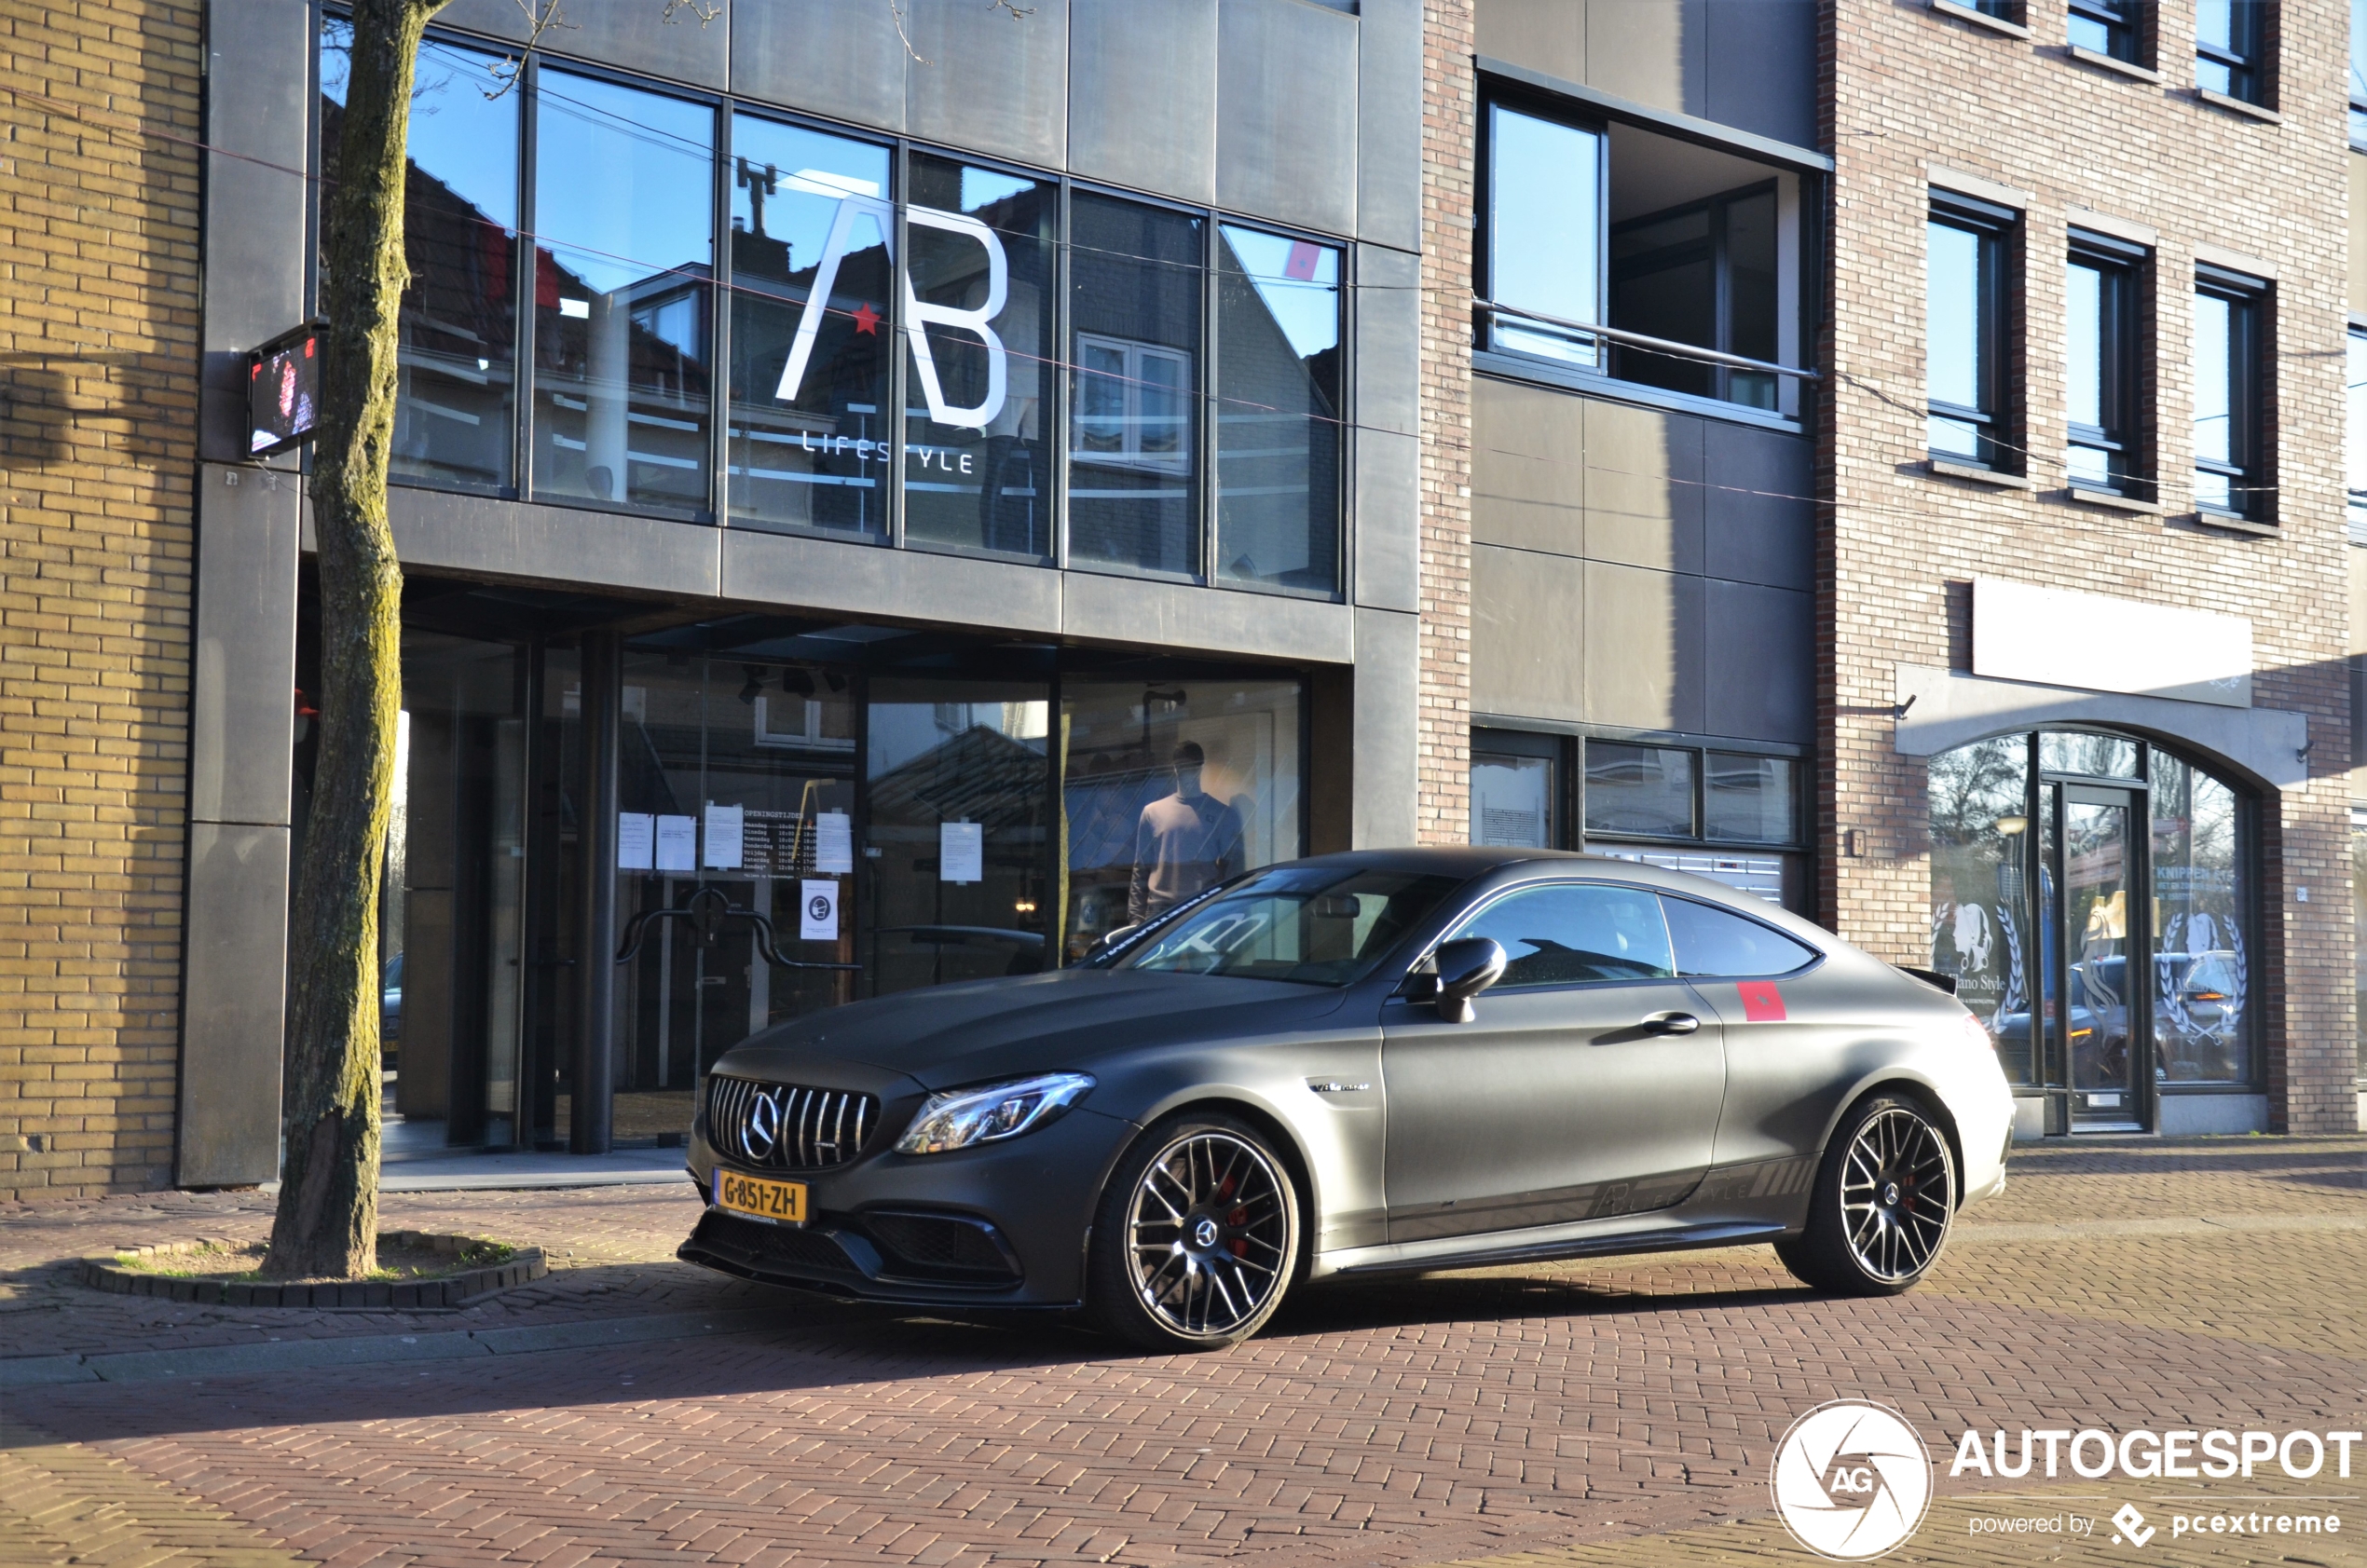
<point x="761" y="1129"/>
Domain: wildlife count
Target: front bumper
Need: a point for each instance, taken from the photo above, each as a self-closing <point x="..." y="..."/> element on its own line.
<point x="999" y="1225"/>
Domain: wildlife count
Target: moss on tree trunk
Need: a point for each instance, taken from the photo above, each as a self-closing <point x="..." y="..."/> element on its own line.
<point x="328" y="1217"/>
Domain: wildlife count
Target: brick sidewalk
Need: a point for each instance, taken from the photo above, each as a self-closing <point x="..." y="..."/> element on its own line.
<point x="1582" y="1414"/>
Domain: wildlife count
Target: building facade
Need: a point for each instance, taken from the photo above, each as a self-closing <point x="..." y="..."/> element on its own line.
<point x="888" y="493"/>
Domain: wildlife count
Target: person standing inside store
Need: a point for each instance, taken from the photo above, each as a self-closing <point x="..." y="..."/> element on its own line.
<point x="1186" y="842"/>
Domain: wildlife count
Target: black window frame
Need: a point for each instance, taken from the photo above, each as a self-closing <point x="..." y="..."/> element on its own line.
<point x="2117" y="18"/>
<point x="2244" y="56"/>
<point x="1992" y="225"/>
<point x="2119" y="375"/>
<point x="2247" y="465"/>
<point x="1494" y="98"/>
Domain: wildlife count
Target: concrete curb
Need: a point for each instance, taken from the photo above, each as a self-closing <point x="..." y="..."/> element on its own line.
<point x="106" y="1272"/>
<point x="368" y="1350"/>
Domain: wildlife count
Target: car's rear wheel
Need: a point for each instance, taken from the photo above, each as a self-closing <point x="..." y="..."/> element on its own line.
<point x="1885" y="1196"/>
<point x="1196" y="1239"/>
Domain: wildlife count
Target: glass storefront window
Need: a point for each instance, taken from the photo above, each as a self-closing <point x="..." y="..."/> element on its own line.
<point x="2095" y="757"/>
<point x="1279" y="408"/>
<point x="979" y="251"/>
<point x="1750" y="799"/>
<point x="1135" y="275"/>
<point x="1513" y="801"/>
<point x="624" y="187"/>
<point x="1646" y="790"/>
<point x="456" y="334"/>
<point x="954" y="859"/>
<point x="2200" y="983"/>
<point x="1171" y="787"/>
<point x="1980" y="924"/>
<point x="810" y="445"/>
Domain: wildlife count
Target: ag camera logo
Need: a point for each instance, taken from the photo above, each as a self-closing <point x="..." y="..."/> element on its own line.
<point x="1852" y="1481"/>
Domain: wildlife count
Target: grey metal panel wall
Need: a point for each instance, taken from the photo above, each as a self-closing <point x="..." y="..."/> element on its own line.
<point x="259" y="115"/>
<point x="1389" y="119"/>
<point x="1143" y="95"/>
<point x="1643" y="487"/>
<point x="898" y="584"/>
<point x="232" y="1005"/>
<point x="484" y="538"/>
<point x="1759" y="524"/>
<point x="824" y="56"/>
<point x="1168" y="615"/>
<point x="1286" y="113"/>
<point x="1653" y="52"/>
<point x="241" y="721"/>
<point x="1388" y="705"/>
<point x="1759" y="654"/>
<point x="988" y="80"/>
<point x="1644" y="647"/>
<point x="1528" y="634"/>
<point x="1762" y="67"/>
<point x="636" y="33"/>
<point x="1548" y="36"/>
<point x="1388" y="410"/>
<point x="1528" y="475"/>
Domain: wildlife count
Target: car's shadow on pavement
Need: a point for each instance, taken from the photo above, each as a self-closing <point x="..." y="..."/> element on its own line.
<point x="1347" y="1306"/>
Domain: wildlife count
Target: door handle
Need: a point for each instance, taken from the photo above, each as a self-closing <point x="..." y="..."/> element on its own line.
<point x="1672" y="1023"/>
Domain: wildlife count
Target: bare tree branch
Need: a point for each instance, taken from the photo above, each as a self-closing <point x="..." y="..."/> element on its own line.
<point x="705" y="13"/>
<point x="541" y="17"/>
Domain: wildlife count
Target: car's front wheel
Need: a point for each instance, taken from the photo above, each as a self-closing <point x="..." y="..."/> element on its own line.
<point x="1885" y="1195"/>
<point x="1196" y="1239"/>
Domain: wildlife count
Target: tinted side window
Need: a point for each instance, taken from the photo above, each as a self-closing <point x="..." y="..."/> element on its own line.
<point x="1713" y="940"/>
<point x="1566" y="933"/>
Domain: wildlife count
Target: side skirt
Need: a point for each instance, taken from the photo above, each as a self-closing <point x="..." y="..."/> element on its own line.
<point x="1517" y="1247"/>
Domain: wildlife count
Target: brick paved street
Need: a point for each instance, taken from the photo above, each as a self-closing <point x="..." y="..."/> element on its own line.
<point x="1610" y="1413"/>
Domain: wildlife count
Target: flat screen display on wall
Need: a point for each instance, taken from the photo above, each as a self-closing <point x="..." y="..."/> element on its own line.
<point x="284" y="391"/>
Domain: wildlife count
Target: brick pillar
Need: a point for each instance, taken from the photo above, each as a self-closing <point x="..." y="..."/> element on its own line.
<point x="1450" y="138"/>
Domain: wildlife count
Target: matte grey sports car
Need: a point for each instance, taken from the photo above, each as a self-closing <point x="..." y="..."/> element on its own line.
<point x="1360" y="1064"/>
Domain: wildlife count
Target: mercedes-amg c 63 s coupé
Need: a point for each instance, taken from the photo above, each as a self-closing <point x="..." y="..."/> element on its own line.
<point x="1382" y="1062"/>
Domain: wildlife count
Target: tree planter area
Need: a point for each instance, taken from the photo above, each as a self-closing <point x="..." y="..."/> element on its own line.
<point x="428" y="1271"/>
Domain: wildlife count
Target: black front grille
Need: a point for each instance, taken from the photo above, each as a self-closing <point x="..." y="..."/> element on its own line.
<point x="943" y="1244"/>
<point x="786" y="1127"/>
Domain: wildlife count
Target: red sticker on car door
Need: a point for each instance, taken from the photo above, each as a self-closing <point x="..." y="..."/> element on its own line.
<point x="1762" y="1001"/>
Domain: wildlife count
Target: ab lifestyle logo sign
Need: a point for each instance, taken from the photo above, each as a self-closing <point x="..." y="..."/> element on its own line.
<point x="919" y="315"/>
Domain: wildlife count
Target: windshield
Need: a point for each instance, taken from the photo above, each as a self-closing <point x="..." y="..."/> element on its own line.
<point x="1313" y="925"/>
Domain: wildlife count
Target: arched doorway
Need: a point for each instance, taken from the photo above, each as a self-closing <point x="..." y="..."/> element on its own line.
<point x="2093" y="895"/>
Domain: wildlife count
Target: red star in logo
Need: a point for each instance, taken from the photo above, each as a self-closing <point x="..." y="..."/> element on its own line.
<point x="866" y="321"/>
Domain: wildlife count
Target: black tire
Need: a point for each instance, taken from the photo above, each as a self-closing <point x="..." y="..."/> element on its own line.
<point x="1196" y="1239"/>
<point x="1885" y="1200"/>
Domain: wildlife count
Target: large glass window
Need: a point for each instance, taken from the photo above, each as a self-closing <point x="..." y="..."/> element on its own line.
<point x="2108" y="27"/>
<point x="812" y="233"/>
<point x="1980" y="889"/>
<point x="1170" y="786"/>
<point x="982" y="264"/>
<point x="2201" y="970"/>
<point x="1279" y="411"/>
<point x="1544" y="235"/>
<point x="2229" y="39"/>
<point x="1513" y="800"/>
<point x="2228" y="466"/>
<point x="1134" y="308"/>
<point x="623" y="316"/>
<point x="1750" y="799"/>
<point x="457" y="324"/>
<point x="2355" y="431"/>
<point x="2100" y="369"/>
<point x="1962" y="338"/>
<point x="1645" y="790"/>
<point x="1704" y="274"/>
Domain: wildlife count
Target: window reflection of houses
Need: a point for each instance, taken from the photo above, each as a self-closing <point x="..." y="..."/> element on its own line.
<point x="623" y="376"/>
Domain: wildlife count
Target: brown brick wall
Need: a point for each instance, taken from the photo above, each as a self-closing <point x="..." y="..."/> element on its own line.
<point x="99" y="330"/>
<point x="1450" y="142"/>
<point x="1907" y="89"/>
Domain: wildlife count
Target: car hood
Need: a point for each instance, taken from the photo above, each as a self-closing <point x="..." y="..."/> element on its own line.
<point x="945" y="1036"/>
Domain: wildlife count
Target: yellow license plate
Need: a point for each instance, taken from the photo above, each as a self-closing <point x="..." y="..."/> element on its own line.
<point x="783" y="1201"/>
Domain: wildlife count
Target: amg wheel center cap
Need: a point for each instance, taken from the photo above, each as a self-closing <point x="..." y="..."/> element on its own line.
<point x="1890" y="1194"/>
<point x="1204" y="1234"/>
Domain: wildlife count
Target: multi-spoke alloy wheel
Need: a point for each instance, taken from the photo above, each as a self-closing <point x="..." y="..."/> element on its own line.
<point x="1895" y="1195"/>
<point x="1205" y="1237"/>
<point x="1882" y="1203"/>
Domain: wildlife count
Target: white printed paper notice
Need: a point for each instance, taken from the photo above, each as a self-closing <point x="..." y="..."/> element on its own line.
<point x="817" y="917"/>
<point x="678" y="843"/>
<point x="961" y="850"/>
<point x="725" y="836"/>
<point x="834" y="843"/>
<point x="637" y="841"/>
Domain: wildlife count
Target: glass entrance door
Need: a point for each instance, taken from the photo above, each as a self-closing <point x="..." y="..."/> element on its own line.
<point x="2100" y="947"/>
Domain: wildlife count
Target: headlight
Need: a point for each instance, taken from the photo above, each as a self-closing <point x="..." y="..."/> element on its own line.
<point x="999" y="1110"/>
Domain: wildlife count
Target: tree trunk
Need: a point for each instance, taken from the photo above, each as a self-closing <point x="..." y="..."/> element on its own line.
<point x="328" y="1217"/>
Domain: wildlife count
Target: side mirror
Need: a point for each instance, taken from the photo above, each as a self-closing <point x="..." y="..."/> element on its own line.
<point x="1465" y="969"/>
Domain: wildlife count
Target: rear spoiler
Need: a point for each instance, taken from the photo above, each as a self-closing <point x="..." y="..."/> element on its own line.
<point x="1931" y="978"/>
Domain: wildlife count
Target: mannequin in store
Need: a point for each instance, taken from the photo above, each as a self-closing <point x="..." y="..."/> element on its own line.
<point x="1186" y="842"/>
